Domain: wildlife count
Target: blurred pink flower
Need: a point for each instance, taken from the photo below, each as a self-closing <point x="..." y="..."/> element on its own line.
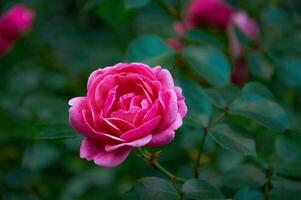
<point x="246" y="25"/>
<point x="212" y="12"/>
<point x="128" y="105"/>
<point x="14" y="23"/>
<point x="175" y="43"/>
<point x="179" y="28"/>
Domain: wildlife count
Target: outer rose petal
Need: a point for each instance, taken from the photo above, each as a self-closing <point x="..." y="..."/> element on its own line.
<point x="76" y="118"/>
<point x="181" y="102"/>
<point x="169" y="100"/>
<point x="162" y="138"/>
<point x="92" y="150"/>
<point x="166" y="136"/>
<point x="164" y="76"/>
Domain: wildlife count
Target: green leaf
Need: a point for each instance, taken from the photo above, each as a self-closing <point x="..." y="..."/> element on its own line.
<point x="112" y="12"/>
<point x="195" y="189"/>
<point x="248" y="194"/>
<point x="210" y="63"/>
<point x="223" y="97"/>
<point x="277" y="19"/>
<point x="40" y="156"/>
<point x="289" y="70"/>
<point x="149" y="49"/>
<point x="284" y="188"/>
<point x="19" y="178"/>
<point x="244" y="175"/>
<point x="202" y="38"/>
<point x="152" y="188"/>
<point x="233" y="138"/>
<point x="288" y="150"/>
<point x="260" y="66"/>
<point x="258" y="89"/>
<point x="56" y="131"/>
<point x="135" y="3"/>
<point x="261" y="110"/>
<point x="197" y="101"/>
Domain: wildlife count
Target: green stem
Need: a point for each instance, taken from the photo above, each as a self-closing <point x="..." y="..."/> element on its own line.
<point x="206" y="130"/>
<point x="169" y="9"/>
<point x="267" y="184"/>
<point x="147" y="156"/>
<point x="198" y="159"/>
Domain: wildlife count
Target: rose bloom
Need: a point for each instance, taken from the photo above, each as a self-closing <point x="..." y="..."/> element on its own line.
<point x="216" y="13"/>
<point x="14" y="23"/>
<point x="128" y="105"/>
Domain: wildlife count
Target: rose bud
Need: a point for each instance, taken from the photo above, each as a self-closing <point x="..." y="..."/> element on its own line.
<point x="15" y="22"/>
<point x="211" y="12"/>
<point x="128" y="105"/>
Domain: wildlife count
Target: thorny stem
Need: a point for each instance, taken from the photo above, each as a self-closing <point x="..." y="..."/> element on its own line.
<point x="206" y="129"/>
<point x="169" y="9"/>
<point x="149" y="158"/>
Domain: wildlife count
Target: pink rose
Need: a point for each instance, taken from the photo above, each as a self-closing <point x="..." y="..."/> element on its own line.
<point x="14" y="23"/>
<point x="127" y="105"/>
<point x="212" y="12"/>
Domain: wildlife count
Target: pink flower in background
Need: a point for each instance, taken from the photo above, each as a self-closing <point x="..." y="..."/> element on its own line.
<point x="14" y="23"/>
<point x="127" y="106"/>
<point x="179" y="28"/>
<point x="177" y="43"/>
<point x="246" y="25"/>
<point x="211" y="12"/>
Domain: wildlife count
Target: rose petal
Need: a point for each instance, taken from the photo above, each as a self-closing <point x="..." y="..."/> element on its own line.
<point x="138" y="120"/>
<point x="94" y="150"/>
<point x="162" y="138"/>
<point x="142" y="130"/>
<point x="110" y="100"/>
<point x="152" y="112"/>
<point x="121" y="124"/>
<point x="112" y="159"/>
<point x="169" y="99"/>
<point x="164" y="76"/>
<point x="76" y="118"/>
<point x="137" y="143"/>
<point x="181" y="102"/>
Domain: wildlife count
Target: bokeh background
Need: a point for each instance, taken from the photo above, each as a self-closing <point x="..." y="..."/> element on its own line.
<point x="39" y="152"/>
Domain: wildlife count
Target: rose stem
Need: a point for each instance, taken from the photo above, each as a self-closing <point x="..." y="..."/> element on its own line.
<point x="206" y="130"/>
<point x="148" y="157"/>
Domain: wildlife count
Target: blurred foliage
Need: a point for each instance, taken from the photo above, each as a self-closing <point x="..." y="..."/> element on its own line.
<point x="253" y="152"/>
